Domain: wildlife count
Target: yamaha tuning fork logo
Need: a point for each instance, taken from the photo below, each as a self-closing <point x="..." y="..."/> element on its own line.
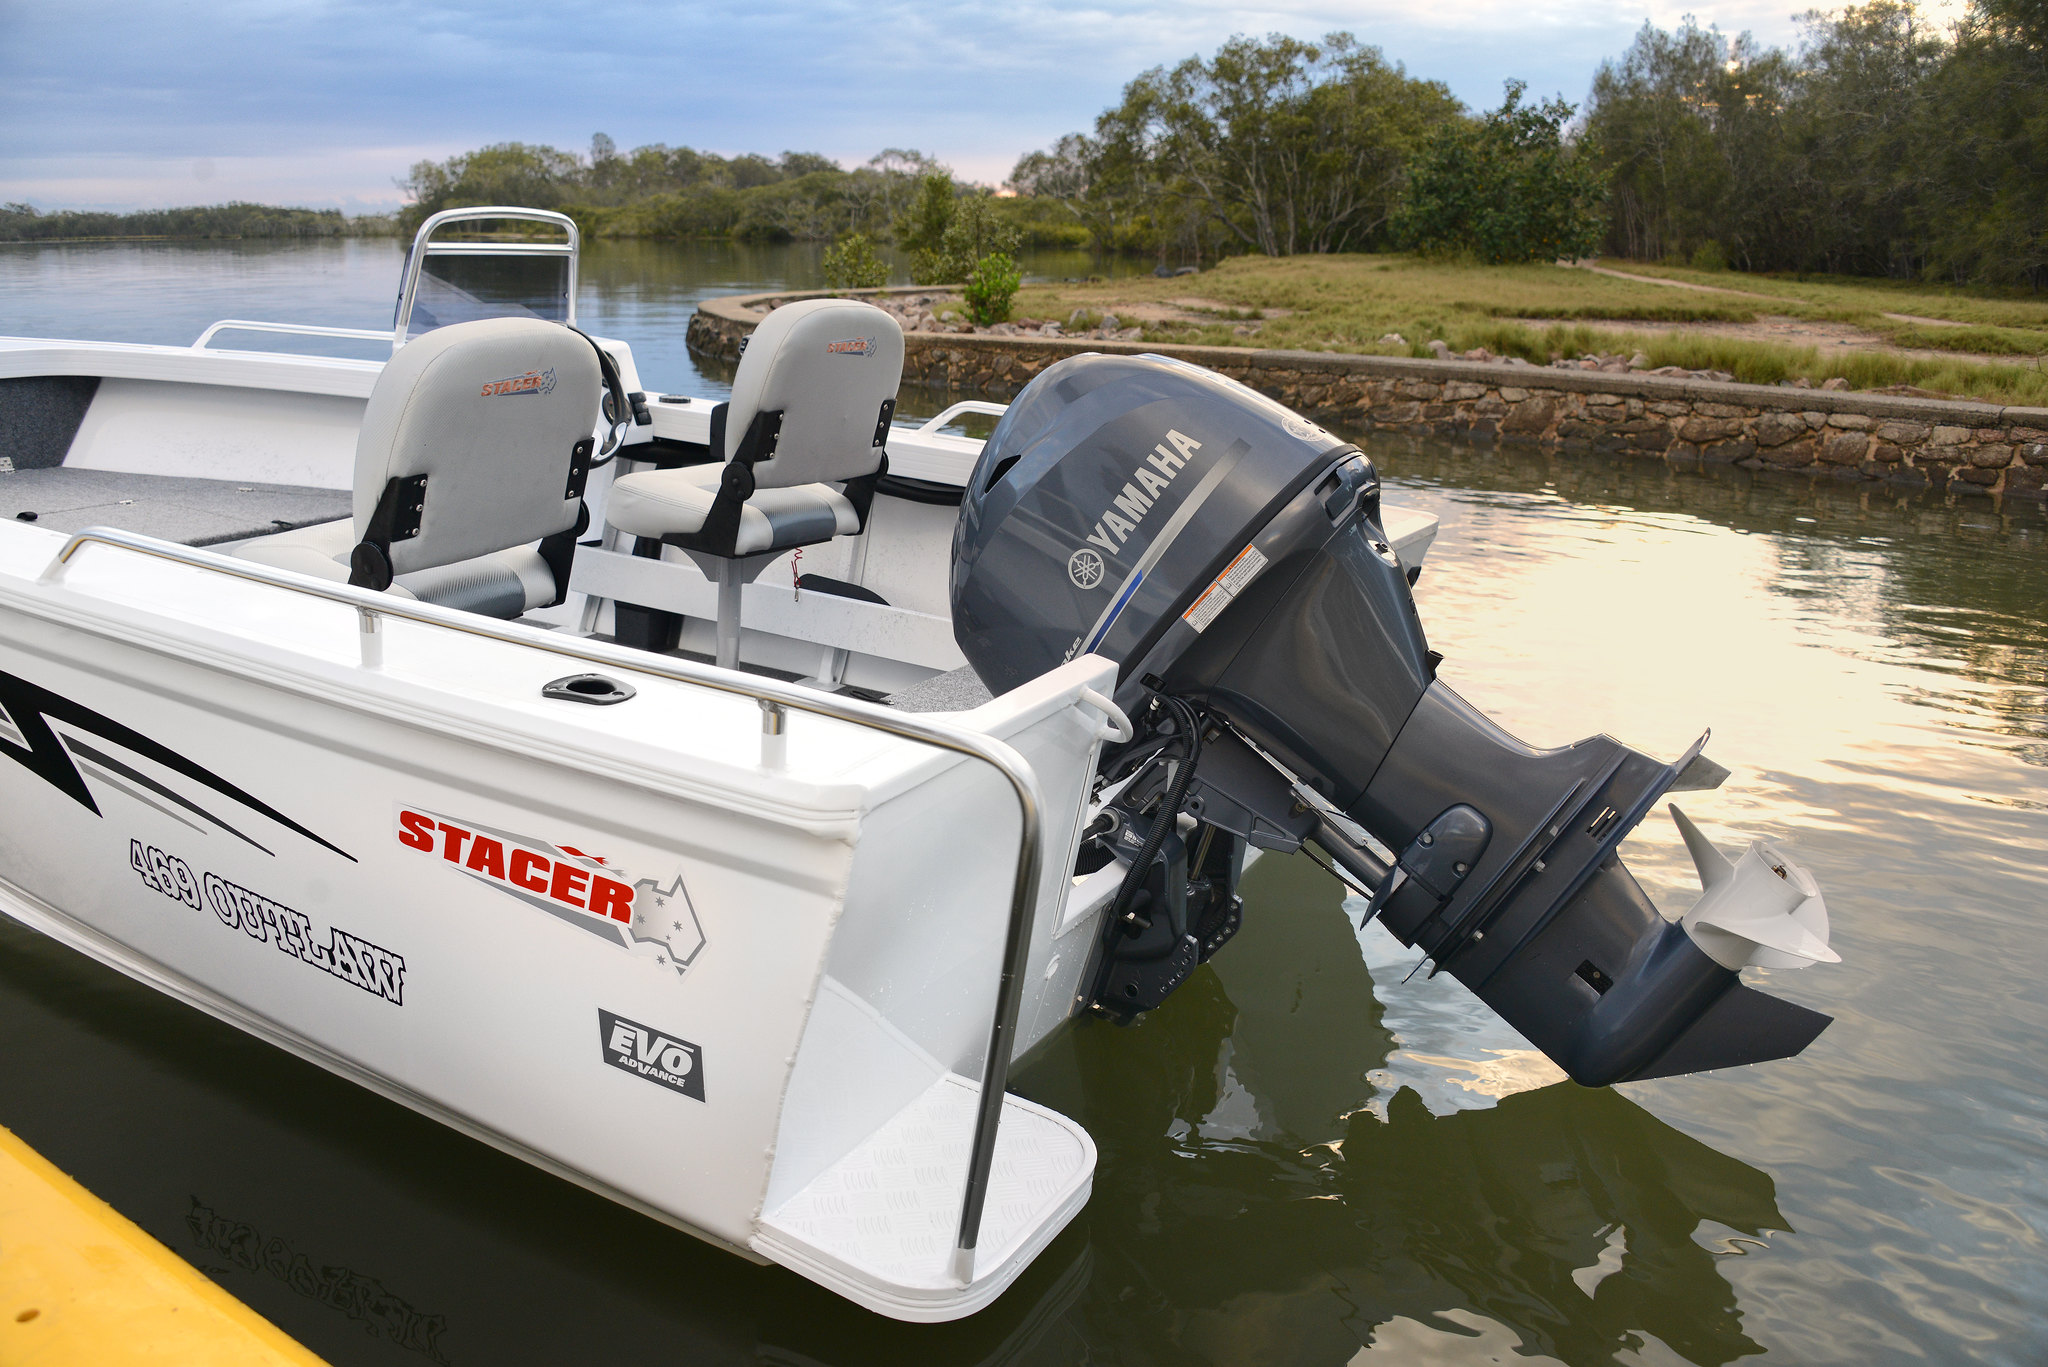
<point x="646" y="1052"/>
<point x="1085" y="568"/>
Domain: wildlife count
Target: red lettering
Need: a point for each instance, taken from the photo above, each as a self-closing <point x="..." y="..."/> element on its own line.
<point x="416" y="831"/>
<point x="487" y="856"/>
<point x="569" y="881"/>
<point x="609" y="897"/>
<point x="451" y="848"/>
<point x="524" y="865"/>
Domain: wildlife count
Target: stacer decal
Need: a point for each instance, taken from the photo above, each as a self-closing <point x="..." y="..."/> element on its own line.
<point x="564" y="882"/>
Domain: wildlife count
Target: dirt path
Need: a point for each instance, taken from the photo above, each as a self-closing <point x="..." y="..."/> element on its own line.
<point x="1785" y="331"/>
<point x="1670" y="284"/>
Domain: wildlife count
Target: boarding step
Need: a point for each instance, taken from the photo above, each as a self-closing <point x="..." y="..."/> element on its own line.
<point x="878" y="1226"/>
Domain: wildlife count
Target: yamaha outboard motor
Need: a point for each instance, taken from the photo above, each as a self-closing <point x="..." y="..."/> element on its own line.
<point x="1229" y="556"/>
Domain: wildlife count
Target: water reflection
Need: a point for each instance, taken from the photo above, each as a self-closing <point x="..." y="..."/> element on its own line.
<point x="1251" y="1207"/>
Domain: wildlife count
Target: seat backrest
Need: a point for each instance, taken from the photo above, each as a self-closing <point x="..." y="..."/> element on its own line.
<point x="491" y="413"/>
<point x="828" y="365"/>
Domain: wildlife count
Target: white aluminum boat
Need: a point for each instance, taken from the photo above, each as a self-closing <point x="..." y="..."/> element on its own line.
<point x="365" y="705"/>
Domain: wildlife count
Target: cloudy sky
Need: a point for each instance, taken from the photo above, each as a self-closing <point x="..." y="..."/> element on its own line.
<point x="325" y="102"/>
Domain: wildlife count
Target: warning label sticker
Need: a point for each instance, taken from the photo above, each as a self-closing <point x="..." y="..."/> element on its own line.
<point x="1228" y="585"/>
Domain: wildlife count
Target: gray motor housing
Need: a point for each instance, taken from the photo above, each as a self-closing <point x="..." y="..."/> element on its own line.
<point x="1111" y="494"/>
<point x="1225" y="551"/>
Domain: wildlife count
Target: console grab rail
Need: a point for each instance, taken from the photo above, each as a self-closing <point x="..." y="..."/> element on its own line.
<point x="772" y="695"/>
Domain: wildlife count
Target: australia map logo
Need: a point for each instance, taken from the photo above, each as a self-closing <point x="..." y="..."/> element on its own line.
<point x="583" y="890"/>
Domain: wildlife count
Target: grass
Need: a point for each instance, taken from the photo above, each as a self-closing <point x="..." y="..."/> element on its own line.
<point x="1347" y="303"/>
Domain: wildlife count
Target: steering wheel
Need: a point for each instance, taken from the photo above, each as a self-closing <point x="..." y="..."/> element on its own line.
<point x="615" y="408"/>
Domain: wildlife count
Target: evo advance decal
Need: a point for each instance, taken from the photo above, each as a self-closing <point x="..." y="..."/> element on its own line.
<point x="647" y="1053"/>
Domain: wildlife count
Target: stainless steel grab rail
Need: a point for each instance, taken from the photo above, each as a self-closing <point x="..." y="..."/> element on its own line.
<point x="770" y="693"/>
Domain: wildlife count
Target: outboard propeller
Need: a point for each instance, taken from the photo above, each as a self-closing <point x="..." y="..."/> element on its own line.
<point x="1761" y="909"/>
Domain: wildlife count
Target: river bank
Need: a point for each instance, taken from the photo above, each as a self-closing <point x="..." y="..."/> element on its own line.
<point x="1923" y="443"/>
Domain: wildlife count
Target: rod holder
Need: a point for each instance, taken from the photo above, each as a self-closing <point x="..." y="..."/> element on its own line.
<point x="774" y="738"/>
<point x="371" y="633"/>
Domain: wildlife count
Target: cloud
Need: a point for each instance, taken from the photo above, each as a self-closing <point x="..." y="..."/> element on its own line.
<point x="326" y="101"/>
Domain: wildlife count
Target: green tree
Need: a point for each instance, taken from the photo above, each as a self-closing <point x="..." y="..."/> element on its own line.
<point x="503" y="173"/>
<point x="851" y="264"/>
<point x="921" y="230"/>
<point x="1507" y="188"/>
<point x="1985" y="214"/>
<point x="1280" y="145"/>
<point x="976" y="233"/>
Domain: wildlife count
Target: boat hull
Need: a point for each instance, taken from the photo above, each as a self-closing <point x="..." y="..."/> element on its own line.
<point x="627" y="944"/>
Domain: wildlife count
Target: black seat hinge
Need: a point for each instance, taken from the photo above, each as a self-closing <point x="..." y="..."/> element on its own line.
<point x="860" y="490"/>
<point x="559" y="550"/>
<point x="400" y="509"/>
<point x="579" y="469"/>
<point x="882" y="423"/>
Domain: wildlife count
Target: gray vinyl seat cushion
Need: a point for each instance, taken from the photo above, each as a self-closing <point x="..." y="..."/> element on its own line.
<point x="658" y="503"/>
<point x="488" y="425"/>
<point x="504" y="584"/>
<point x="830" y="369"/>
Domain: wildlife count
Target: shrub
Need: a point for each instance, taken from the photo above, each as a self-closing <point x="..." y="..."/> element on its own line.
<point x="991" y="288"/>
<point x="851" y="264"/>
<point x="1708" y="256"/>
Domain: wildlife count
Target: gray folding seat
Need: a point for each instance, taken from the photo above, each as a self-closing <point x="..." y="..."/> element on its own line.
<point x="796" y="454"/>
<point x="469" y="475"/>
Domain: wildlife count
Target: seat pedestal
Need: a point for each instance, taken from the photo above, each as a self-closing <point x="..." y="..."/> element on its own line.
<point x="731" y="573"/>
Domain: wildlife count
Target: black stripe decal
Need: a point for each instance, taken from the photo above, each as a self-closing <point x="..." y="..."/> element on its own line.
<point x="145" y="799"/>
<point x="81" y="749"/>
<point x="32" y="708"/>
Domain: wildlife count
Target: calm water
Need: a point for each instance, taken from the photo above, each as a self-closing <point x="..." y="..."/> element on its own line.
<point x="1303" y="1159"/>
<point x="168" y="293"/>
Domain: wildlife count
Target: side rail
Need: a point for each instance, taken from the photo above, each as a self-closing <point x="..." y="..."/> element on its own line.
<point x="776" y="700"/>
<point x="295" y="329"/>
<point x="932" y="426"/>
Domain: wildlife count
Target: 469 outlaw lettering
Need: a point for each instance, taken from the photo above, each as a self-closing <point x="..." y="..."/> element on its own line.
<point x="376" y="970"/>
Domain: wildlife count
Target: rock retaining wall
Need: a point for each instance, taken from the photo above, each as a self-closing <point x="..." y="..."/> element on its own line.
<point x="1918" y="442"/>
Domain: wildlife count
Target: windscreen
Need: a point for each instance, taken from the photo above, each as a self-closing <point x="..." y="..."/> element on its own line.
<point x="457" y="287"/>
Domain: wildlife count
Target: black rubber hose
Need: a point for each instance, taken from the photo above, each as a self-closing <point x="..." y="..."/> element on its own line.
<point x="1169" y="808"/>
